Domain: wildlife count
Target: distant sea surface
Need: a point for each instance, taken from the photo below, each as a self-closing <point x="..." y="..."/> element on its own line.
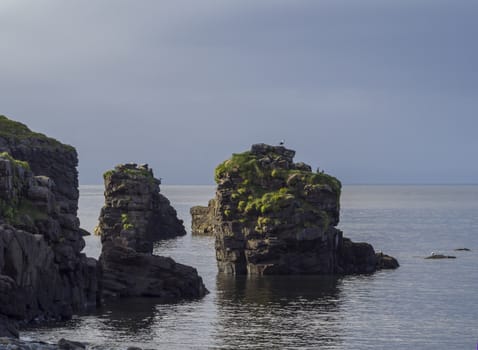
<point x="425" y="304"/>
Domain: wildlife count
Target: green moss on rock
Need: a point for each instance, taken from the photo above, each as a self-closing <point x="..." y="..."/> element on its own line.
<point x="108" y="174"/>
<point x="13" y="130"/>
<point x="264" y="187"/>
<point x="14" y="212"/>
<point x="16" y="162"/>
<point x="125" y="222"/>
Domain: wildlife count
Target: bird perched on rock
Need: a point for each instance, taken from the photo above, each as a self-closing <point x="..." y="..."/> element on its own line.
<point x="281" y="143"/>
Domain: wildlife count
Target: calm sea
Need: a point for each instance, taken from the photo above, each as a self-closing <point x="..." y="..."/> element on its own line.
<point x="425" y="304"/>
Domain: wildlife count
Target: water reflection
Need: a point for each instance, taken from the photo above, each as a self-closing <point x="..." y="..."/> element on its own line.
<point x="293" y="312"/>
<point x="133" y="315"/>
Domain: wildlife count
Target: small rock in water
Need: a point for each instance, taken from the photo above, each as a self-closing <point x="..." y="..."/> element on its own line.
<point x="462" y="250"/>
<point x="440" y="256"/>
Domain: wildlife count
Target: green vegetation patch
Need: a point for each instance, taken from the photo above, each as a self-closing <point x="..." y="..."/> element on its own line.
<point x="108" y="174"/>
<point x="8" y="211"/>
<point x="125" y="222"/>
<point x="247" y="166"/>
<point x="14" y="213"/>
<point x="244" y="165"/>
<point x="262" y="191"/>
<point x="11" y="129"/>
<point x="17" y="162"/>
<point x="134" y="172"/>
<point x="138" y="172"/>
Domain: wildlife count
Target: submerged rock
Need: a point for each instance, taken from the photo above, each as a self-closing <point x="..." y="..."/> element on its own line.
<point x="274" y="216"/>
<point x="134" y="216"/>
<point x="43" y="273"/>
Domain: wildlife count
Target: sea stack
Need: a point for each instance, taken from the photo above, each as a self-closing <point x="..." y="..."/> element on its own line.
<point x="135" y="206"/>
<point x="275" y="216"/>
<point x="202" y="222"/>
<point x="134" y="216"/>
<point x="43" y="273"/>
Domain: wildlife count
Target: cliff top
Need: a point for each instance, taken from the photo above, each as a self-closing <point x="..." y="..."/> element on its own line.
<point x="18" y="132"/>
<point x="271" y="165"/>
<point x="265" y="182"/>
<point x="131" y="170"/>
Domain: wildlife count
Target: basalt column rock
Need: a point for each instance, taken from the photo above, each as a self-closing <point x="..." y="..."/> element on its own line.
<point x="135" y="215"/>
<point x="275" y="216"/>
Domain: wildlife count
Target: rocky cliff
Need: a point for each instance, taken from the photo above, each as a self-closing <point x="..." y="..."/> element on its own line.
<point x="134" y="216"/>
<point x="203" y="219"/>
<point x="275" y="216"/>
<point x="43" y="273"/>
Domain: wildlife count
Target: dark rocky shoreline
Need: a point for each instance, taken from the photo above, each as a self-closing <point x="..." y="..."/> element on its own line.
<point x="43" y="273"/>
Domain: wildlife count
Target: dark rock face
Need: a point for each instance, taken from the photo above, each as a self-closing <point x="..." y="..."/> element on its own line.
<point x="128" y="273"/>
<point x="43" y="273"/>
<point x="136" y="210"/>
<point x="203" y="219"/>
<point x="275" y="216"/>
<point x="134" y="216"/>
<point x="7" y="328"/>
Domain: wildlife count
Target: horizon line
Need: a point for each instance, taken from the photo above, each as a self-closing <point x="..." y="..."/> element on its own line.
<point x="343" y="184"/>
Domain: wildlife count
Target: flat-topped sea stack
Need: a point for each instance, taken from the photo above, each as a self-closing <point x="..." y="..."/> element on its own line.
<point x="43" y="273"/>
<point x="274" y="216"/>
<point x="136" y="215"/>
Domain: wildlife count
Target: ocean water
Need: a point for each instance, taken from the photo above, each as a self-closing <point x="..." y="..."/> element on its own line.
<point x="425" y="304"/>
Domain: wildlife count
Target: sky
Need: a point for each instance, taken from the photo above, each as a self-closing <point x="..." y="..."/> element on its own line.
<point x="371" y="91"/>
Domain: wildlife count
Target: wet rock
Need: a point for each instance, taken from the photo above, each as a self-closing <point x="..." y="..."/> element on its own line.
<point x="274" y="216"/>
<point x="386" y="262"/>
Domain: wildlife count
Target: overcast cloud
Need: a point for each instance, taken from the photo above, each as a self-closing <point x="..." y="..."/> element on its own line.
<point x="372" y="91"/>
